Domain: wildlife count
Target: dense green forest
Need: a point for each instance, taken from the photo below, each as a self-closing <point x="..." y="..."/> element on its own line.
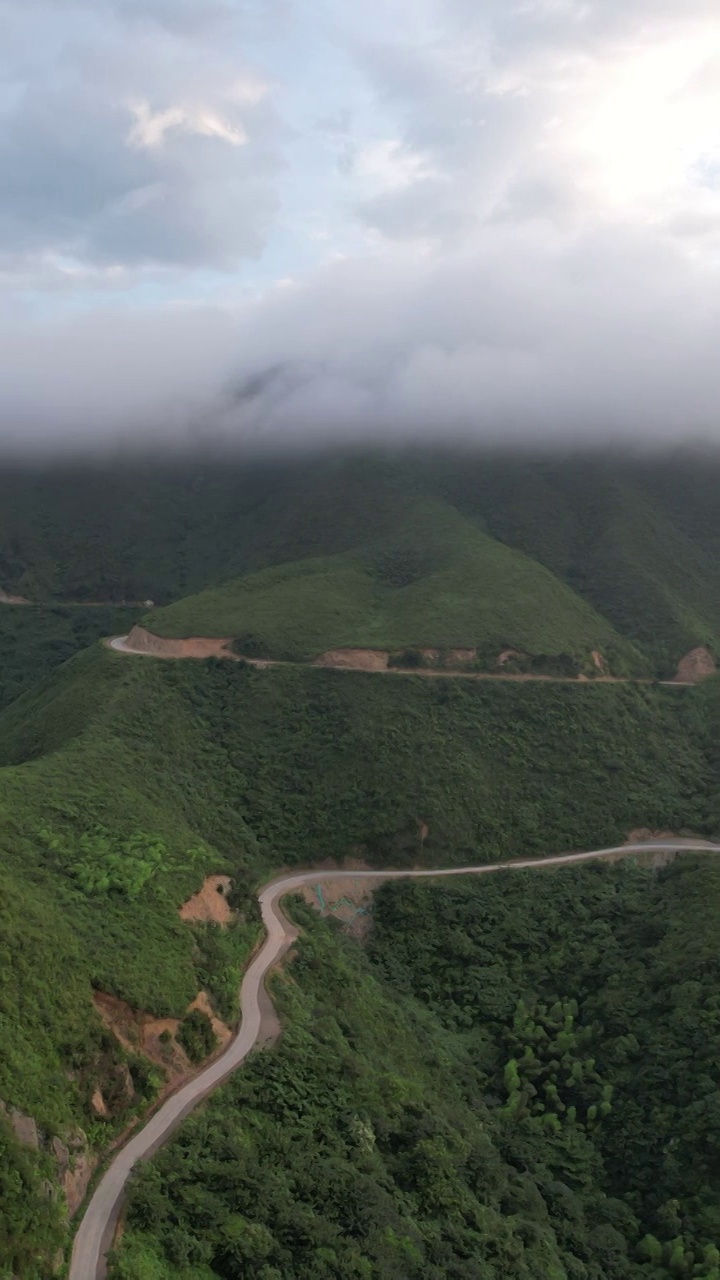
<point x="125" y="781"/>
<point x="598" y="1041"/>
<point x="518" y="1083"/>
<point x="637" y="537"/>
<point x="33" y="641"/>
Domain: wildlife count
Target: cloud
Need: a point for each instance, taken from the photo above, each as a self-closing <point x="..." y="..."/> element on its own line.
<point x="133" y="152"/>
<point x="615" y="340"/>
<point x="150" y="128"/>
<point x="415" y="217"/>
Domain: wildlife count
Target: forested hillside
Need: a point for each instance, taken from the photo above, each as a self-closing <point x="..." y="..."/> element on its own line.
<point x="519" y="1083"/>
<point x="34" y="641"/>
<point x="126" y="781"/>
<point x="638" y="538"/>
<point x="434" y="580"/>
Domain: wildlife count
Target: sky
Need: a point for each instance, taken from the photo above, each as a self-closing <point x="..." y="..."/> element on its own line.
<point x="273" y="220"/>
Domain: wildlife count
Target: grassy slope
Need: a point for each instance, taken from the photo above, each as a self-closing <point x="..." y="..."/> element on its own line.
<point x="125" y="781"/>
<point x="637" y="538"/>
<point x="436" y="581"/>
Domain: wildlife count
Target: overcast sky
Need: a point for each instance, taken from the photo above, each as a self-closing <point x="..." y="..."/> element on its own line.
<point x="274" y="218"/>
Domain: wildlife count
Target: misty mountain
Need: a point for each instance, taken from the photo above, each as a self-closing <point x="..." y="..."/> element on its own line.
<point x="635" y="537"/>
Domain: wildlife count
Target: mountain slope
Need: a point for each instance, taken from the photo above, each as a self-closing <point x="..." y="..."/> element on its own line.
<point x="127" y="781"/>
<point x="637" y="537"/>
<point x="435" y="580"/>
<point x="481" y="1092"/>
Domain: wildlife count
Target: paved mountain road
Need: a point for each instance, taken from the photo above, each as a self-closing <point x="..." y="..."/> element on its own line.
<point x="96" y="1230"/>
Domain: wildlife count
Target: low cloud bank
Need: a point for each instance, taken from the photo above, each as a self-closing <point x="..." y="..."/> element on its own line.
<point x="609" y="338"/>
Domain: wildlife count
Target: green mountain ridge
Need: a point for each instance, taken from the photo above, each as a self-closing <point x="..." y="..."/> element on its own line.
<point x="638" y="537"/>
<point x="477" y="1093"/>
<point x="124" y="782"/>
<point x="435" y="580"/>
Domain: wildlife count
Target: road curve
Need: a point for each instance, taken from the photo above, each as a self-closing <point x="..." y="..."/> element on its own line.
<point x="96" y="1230"/>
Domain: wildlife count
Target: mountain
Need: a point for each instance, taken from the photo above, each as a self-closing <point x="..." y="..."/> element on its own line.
<point x="34" y="641"/>
<point x="480" y="1090"/>
<point x="388" y="1133"/>
<point x="637" y="537"/>
<point x="126" y="782"/>
<point x="433" y="579"/>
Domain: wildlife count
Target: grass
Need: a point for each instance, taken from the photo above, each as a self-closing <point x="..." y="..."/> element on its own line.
<point x="439" y="581"/>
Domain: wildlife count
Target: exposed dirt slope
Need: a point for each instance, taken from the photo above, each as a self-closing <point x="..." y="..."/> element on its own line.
<point x="354" y="659"/>
<point x="6" y="598"/>
<point x="210" y="902"/>
<point x="697" y="665"/>
<point x="141" y="641"/>
<point x="694" y="667"/>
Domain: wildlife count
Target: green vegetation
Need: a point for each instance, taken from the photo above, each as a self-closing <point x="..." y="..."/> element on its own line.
<point x="124" y="783"/>
<point x="492" y="1094"/>
<point x="588" y="1000"/>
<point x="32" y="1221"/>
<point x="437" y="581"/>
<point x="34" y="641"/>
<point x="196" y="1035"/>
<point x="636" y="537"/>
<point x="127" y="781"/>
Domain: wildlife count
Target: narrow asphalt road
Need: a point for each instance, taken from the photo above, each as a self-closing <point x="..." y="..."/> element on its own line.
<point x="96" y="1230"/>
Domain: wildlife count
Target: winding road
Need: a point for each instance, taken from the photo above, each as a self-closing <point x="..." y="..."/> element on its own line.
<point x="95" y="1234"/>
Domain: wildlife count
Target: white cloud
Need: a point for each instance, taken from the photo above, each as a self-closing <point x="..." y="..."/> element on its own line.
<point x="388" y="165"/>
<point x="517" y="205"/>
<point x="150" y="128"/>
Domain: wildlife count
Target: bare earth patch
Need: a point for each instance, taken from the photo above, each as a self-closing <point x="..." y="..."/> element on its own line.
<point x="141" y="1033"/>
<point x="599" y="662"/>
<point x="98" y="1104"/>
<point x="222" y="1031"/>
<point x="143" y="641"/>
<point x="644" y="833"/>
<point x="357" y="659"/>
<point x="697" y="665"/>
<point x="460" y="657"/>
<point x="507" y="654"/>
<point x="346" y="900"/>
<point x="654" y="858"/>
<point x="210" y="903"/>
<point x="77" y="1180"/>
<point x="6" y="598"/>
